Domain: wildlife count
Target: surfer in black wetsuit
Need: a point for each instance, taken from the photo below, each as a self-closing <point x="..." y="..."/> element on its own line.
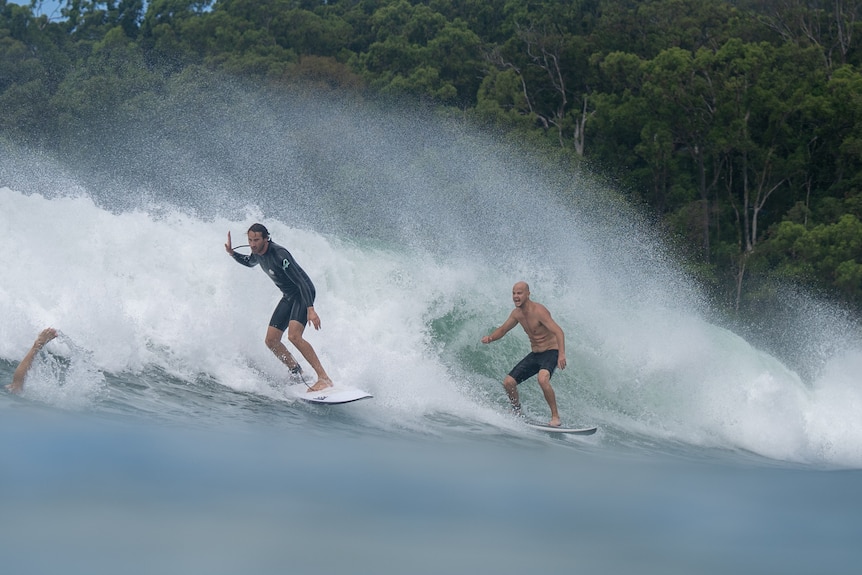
<point x="296" y="307"/>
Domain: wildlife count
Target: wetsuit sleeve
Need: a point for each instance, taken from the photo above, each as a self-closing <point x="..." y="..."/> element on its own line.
<point x="297" y="276"/>
<point x="245" y="260"/>
<point x="306" y="289"/>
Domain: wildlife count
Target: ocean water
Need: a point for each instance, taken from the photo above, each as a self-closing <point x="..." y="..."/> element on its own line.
<point x="154" y="435"/>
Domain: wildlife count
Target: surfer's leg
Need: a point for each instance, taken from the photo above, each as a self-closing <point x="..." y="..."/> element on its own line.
<point x="295" y="330"/>
<point x="275" y="331"/>
<point x="273" y="342"/>
<point x="511" y="387"/>
<point x="545" y="383"/>
<point x="525" y="369"/>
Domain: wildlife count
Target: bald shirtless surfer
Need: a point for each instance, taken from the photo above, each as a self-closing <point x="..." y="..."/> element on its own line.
<point x="296" y="307"/>
<point x="548" y="348"/>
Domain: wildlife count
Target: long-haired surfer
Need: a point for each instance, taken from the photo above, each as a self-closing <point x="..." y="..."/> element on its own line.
<point x="548" y="348"/>
<point x="296" y="308"/>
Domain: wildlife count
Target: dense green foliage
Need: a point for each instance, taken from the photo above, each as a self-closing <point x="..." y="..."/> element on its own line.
<point x="738" y="123"/>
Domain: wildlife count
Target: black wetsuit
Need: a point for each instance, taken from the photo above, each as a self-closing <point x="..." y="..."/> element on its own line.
<point x="294" y="283"/>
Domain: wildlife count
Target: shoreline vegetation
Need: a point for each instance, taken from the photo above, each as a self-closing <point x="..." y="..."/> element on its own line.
<point x="736" y="125"/>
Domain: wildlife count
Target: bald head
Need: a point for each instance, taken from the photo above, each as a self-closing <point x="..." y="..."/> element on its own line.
<point x="520" y="293"/>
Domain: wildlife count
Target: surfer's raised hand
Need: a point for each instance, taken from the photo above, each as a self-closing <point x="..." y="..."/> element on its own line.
<point x="313" y="318"/>
<point x="228" y="245"/>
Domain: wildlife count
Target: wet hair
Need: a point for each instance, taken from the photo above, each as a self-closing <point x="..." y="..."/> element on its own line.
<point x="260" y="229"/>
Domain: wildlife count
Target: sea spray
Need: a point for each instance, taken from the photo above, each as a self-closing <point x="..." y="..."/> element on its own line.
<point x="413" y="228"/>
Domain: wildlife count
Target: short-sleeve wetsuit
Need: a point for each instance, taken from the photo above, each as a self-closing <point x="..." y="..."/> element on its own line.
<point x="294" y="283"/>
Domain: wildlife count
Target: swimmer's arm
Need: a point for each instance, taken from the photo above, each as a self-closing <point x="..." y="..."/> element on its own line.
<point x="502" y="330"/>
<point x="21" y="371"/>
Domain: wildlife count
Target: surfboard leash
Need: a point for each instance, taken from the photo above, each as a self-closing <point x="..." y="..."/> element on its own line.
<point x="298" y="371"/>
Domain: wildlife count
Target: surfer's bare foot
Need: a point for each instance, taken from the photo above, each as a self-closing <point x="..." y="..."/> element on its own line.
<point x="555" y="422"/>
<point x="321" y="384"/>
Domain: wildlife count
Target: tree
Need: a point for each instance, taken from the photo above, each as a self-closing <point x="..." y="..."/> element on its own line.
<point x="760" y="95"/>
<point x="553" y="70"/>
<point x="681" y="92"/>
<point x="828" y="254"/>
<point x="830" y="25"/>
<point x="416" y="51"/>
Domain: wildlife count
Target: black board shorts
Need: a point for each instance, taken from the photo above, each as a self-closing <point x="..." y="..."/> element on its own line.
<point x="288" y="309"/>
<point x="533" y="363"/>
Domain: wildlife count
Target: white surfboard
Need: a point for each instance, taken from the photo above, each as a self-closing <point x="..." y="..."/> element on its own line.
<point x="572" y="430"/>
<point x="331" y="395"/>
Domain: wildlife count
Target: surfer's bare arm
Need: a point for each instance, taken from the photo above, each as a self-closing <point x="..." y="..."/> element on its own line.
<point x="502" y="330"/>
<point x="554" y="328"/>
<point x="20" y="374"/>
